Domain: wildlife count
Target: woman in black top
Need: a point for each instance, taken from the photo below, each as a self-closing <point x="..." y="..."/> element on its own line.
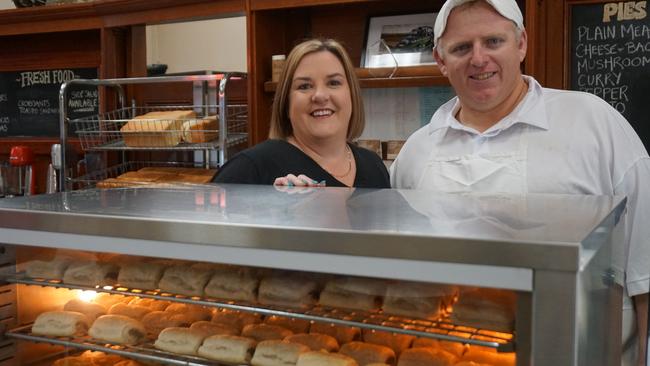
<point x="317" y="111"/>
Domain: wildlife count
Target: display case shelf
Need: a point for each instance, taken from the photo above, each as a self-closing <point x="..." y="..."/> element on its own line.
<point x="441" y="328"/>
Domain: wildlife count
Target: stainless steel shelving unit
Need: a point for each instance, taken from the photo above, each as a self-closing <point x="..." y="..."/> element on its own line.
<point x="102" y="132"/>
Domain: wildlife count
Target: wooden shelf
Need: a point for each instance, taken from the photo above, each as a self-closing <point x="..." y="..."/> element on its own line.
<point x="404" y="77"/>
<point x="280" y="4"/>
<point x="111" y="13"/>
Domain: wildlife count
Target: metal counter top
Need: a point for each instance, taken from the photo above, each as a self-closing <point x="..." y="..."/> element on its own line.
<point x="535" y="231"/>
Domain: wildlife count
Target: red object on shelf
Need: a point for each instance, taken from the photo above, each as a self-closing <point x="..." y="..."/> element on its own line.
<point x="23" y="156"/>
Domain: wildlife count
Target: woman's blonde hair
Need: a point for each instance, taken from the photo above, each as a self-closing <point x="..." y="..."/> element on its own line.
<point x="280" y="124"/>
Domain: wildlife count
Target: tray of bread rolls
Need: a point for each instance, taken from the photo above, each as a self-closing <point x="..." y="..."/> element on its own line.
<point x="112" y="353"/>
<point x="145" y="173"/>
<point x="160" y="128"/>
<point x="151" y="307"/>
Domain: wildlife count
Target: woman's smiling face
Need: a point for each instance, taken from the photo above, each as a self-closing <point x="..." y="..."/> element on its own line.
<point x="320" y="104"/>
<point x="481" y="55"/>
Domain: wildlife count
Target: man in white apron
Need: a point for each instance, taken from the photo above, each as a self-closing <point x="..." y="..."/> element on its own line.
<point x="504" y="133"/>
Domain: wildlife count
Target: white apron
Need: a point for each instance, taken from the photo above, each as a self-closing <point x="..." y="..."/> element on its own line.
<point x="486" y="172"/>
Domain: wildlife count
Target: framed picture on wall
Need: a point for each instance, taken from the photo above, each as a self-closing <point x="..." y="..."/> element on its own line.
<point x="400" y="40"/>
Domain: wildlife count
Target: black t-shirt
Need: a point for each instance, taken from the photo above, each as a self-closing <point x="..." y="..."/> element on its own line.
<point x="271" y="159"/>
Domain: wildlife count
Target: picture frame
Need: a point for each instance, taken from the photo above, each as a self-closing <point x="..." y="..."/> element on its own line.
<point x="399" y="40"/>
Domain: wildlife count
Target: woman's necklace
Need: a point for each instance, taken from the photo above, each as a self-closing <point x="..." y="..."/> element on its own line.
<point x="348" y="157"/>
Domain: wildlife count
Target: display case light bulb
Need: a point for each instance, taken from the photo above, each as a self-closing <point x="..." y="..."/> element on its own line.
<point x="87" y="295"/>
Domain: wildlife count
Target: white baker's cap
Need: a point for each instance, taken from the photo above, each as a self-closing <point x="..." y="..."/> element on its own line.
<point x="507" y="8"/>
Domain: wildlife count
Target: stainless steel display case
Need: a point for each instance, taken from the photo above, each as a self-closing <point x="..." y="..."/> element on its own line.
<point x="555" y="251"/>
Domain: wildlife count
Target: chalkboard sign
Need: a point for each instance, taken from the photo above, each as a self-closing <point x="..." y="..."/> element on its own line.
<point x="610" y="57"/>
<point x="29" y="100"/>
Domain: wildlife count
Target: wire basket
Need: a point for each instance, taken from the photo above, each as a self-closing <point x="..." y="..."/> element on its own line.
<point x="121" y="130"/>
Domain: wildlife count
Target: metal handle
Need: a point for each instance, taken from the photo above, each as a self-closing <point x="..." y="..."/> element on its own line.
<point x="29" y="180"/>
<point x="51" y="183"/>
<point x="55" y="155"/>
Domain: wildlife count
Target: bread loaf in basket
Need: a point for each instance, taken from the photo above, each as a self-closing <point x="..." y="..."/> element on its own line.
<point x="156" y="129"/>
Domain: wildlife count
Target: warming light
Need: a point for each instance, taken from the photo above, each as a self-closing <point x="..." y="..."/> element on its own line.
<point x="87" y="296"/>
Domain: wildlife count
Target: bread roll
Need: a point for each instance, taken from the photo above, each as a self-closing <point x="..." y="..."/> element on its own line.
<point x="425" y="356"/>
<point x="353" y="293"/>
<point x="132" y="311"/>
<point x="101" y="358"/>
<point x="184" y="341"/>
<point x="90" y="274"/>
<point x="91" y="310"/>
<point x="487" y="309"/>
<point x="144" y="276"/>
<point x="129" y="363"/>
<point x="365" y="353"/>
<point x="73" y="361"/>
<point x="291" y="291"/>
<point x="293" y="324"/>
<point x="315" y="341"/>
<point x="228" y="348"/>
<point x="61" y="324"/>
<point x="155" y="129"/>
<point x="349" y="300"/>
<point x="185" y="280"/>
<point x="236" y="319"/>
<point x="155" y="321"/>
<point x="397" y="342"/>
<point x="51" y="269"/>
<point x="193" y="313"/>
<point x="117" y="329"/>
<point x="107" y="300"/>
<point x="343" y="334"/>
<point x="201" y="130"/>
<point x="233" y="285"/>
<point x="491" y="358"/>
<point x="277" y="353"/>
<point x="454" y="348"/>
<point x="182" y="179"/>
<point x="209" y="328"/>
<point x="264" y="332"/>
<point x="154" y="305"/>
<point x="417" y="300"/>
<point x="142" y="177"/>
<point x="117" y="183"/>
<point x="471" y="363"/>
<point x="377" y="364"/>
<point x="318" y="358"/>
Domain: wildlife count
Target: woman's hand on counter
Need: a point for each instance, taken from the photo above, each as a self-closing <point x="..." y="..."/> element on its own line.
<point x="301" y="180"/>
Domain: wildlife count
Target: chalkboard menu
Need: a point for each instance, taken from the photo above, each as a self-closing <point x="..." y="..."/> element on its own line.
<point x="610" y="57"/>
<point x="29" y="100"/>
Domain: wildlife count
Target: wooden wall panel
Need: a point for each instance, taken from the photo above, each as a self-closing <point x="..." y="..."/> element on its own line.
<point x="554" y="45"/>
<point x="263" y="43"/>
<point x="50" y="50"/>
